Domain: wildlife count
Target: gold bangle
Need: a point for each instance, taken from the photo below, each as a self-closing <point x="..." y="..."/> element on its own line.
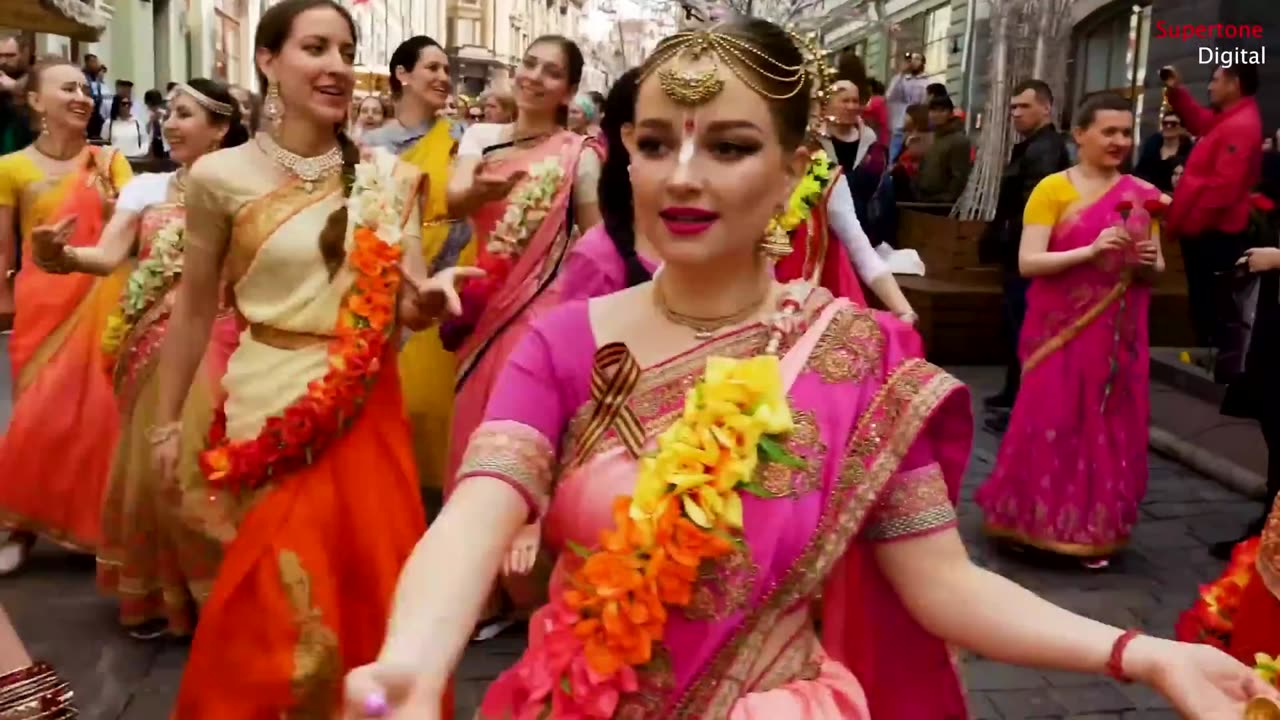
<point x="157" y="434"/>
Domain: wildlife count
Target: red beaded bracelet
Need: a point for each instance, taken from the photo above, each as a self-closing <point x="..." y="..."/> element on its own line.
<point x="1115" y="664"/>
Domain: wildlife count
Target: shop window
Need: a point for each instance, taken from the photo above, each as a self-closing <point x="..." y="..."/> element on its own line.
<point x="229" y="39"/>
<point x="1110" y="54"/>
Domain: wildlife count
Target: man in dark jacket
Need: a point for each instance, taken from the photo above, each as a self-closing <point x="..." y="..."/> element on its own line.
<point x="946" y="165"/>
<point x="16" y="130"/>
<point x="1209" y="216"/>
<point x="1041" y="153"/>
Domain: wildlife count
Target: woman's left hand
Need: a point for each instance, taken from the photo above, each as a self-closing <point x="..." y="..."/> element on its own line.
<point x="425" y="299"/>
<point x="1146" y="252"/>
<point x="1261" y="259"/>
<point x="1204" y="683"/>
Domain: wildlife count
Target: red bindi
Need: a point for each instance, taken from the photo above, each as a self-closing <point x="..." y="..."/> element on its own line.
<point x="688" y="125"/>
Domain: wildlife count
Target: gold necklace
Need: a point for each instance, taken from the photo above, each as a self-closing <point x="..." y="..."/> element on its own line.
<point x="704" y="328"/>
<point x="310" y="170"/>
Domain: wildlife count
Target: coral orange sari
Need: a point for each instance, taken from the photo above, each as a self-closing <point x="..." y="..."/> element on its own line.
<point x="56" y="452"/>
<point x="306" y="583"/>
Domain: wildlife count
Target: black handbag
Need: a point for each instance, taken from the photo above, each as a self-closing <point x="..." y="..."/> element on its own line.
<point x="1237" y="295"/>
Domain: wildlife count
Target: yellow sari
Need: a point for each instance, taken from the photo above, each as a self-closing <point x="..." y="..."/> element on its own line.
<point x="426" y="368"/>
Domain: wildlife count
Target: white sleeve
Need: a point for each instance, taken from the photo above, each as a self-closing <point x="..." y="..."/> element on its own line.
<point x="143" y="190"/>
<point x="843" y="218"/>
<point x="478" y="137"/>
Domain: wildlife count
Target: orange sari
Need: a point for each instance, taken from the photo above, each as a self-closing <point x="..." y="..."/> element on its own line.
<point x="306" y="584"/>
<point x="56" y="452"/>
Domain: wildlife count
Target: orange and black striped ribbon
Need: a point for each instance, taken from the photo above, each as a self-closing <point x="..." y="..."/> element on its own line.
<point x="614" y="376"/>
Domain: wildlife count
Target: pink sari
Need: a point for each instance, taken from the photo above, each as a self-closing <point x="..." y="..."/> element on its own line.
<point x="886" y="437"/>
<point x="509" y="312"/>
<point x="594" y="268"/>
<point x="1073" y="465"/>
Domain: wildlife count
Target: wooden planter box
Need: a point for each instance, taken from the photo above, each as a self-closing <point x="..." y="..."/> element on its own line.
<point x="958" y="299"/>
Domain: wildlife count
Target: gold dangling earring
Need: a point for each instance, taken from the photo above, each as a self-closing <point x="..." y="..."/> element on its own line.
<point x="777" y="243"/>
<point x="44" y="125"/>
<point x="272" y="105"/>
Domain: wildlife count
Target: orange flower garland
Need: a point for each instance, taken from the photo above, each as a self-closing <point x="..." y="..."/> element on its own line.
<point x="307" y="426"/>
<point x="1212" y="618"/>
<point x="685" y="510"/>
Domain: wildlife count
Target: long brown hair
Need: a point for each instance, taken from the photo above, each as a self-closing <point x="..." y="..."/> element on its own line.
<point x="274" y="28"/>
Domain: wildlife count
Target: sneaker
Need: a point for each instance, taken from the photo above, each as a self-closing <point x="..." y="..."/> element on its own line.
<point x="492" y="629"/>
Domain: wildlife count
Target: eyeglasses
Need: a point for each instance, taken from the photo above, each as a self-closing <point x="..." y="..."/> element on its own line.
<point x="1171" y="124"/>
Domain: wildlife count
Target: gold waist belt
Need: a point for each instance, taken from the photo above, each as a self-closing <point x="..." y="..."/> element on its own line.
<point x="285" y="339"/>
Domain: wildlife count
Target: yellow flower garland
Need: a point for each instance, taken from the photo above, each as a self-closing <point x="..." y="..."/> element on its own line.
<point x="807" y="193"/>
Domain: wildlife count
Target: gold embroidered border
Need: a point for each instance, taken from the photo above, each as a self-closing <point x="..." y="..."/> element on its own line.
<point x="257" y="220"/>
<point x="915" y="502"/>
<point x="317" y="662"/>
<point x="658" y="397"/>
<point x="884" y="433"/>
<point x="1070" y="332"/>
<point x="54" y="341"/>
<point x="514" y="453"/>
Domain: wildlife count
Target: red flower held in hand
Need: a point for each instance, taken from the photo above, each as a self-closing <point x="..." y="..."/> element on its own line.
<point x="1261" y="202"/>
<point x="1124" y="207"/>
<point x="1155" y="207"/>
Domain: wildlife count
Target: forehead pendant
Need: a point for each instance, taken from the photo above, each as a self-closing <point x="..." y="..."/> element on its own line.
<point x="692" y="87"/>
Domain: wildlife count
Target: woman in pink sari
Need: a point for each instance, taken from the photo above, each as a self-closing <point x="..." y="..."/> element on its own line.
<point x="852" y="502"/>
<point x="524" y="186"/>
<point x="1073" y="465"/>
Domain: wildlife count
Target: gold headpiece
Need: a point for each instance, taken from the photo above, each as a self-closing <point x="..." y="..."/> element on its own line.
<point x="696" y="87"/>
<point x="819" y="70"/>
<point x="204" y="101"/>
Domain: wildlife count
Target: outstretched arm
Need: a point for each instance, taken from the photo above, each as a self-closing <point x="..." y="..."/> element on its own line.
<point x="117" y="241"/>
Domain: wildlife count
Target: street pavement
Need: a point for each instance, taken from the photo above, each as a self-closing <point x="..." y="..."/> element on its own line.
<point x="63" y="620"/>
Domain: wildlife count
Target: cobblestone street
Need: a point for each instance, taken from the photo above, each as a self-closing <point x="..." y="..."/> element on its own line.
<point x="57" y="611"/>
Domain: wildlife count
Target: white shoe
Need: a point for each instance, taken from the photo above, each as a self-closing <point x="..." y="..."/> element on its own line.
<point x="13" y="555"/>
<point x="492" y="630"/>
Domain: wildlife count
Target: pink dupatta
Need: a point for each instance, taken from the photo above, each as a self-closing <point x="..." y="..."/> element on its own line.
<point x="508" y="313"/>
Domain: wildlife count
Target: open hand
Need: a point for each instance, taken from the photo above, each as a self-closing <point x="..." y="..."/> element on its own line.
<point x="523" y="553"/>
<point x="426" y="299"/>
<point x="489" y="184"/>
<point x="1261" y="259"/>
<point x="1204" y="683"/>
<point x="49" y="245"/>
<point x="389" y="691"/>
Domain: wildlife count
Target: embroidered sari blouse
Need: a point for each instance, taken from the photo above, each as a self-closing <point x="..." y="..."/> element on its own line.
<point x="273" y="263"/>
<point x="529" y="431"/>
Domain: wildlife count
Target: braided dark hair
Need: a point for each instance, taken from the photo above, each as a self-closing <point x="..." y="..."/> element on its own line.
<point x="614" y="187"/>
<point x="274" y="29"/>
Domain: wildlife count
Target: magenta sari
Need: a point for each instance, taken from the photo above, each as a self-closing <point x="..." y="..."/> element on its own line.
<point x="594" y="268"/>
<point x="508" y="313"/>
<point x="1072" y="468"/>
<point x="886" y="437"/>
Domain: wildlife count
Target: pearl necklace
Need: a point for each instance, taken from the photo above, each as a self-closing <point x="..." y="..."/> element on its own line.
<point x="310" y="170"/>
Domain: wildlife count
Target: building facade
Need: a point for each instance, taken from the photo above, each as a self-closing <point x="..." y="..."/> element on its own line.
<point x="486" y="39"/>
<point x="1116" y="45"/>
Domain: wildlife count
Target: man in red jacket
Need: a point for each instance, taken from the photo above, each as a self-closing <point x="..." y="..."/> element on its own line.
<point x="1210" y="212"/>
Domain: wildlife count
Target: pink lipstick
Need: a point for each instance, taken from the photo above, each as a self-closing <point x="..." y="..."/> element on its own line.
<point x="686" y="221"/>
